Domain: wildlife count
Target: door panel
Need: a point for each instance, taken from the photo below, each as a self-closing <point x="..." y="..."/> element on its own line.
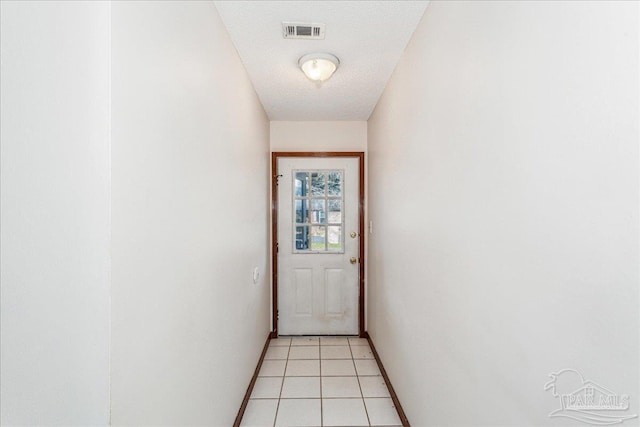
<point x="303" y="285"/>
<point x="334" y="283"/>
<point x="318" y="209"/>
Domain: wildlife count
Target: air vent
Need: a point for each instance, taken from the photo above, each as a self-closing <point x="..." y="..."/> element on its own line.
<point x="298" y="30"/>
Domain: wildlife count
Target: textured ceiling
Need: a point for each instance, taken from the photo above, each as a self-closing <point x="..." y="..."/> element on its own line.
<point x="367" y="36"/>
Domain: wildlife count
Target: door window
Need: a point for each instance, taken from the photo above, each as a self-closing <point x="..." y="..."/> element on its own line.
<point x="318" y="207"/>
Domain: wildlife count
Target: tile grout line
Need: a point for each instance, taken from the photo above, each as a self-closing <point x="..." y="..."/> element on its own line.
<point x="275" y="418"/>
<point x="320" y="379"/>
<point x="359" y="385"/>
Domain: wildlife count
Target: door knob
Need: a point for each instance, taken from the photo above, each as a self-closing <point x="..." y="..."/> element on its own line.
<point x="353" y="260"/>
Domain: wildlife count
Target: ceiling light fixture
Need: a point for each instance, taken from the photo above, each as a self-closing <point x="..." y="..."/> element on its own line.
<point x="318" y="66"/>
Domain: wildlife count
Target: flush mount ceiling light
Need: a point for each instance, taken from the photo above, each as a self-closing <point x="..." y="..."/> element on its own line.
<point x="319" y="66"/>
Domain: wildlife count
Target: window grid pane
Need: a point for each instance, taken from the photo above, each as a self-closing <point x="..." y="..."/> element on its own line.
<point x="318" y="211"/>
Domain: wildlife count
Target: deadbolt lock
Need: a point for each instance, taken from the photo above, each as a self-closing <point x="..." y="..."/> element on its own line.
<point x="353" y="234"/>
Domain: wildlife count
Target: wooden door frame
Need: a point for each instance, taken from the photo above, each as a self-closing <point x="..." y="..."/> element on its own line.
<point x="274" y="228"/>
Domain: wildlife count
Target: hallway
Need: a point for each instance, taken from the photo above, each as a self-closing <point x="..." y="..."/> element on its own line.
<point x="325" y="381"/>
<point x="493" y="245"/>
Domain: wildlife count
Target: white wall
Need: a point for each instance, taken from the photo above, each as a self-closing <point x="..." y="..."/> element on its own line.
<point x="504" y="195"/>
<point x="190" y="184"/>
<point x="55" y="213"/>
<point x="319" y="136"/>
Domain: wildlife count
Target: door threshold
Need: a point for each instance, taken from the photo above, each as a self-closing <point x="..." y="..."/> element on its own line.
<point x="320" y="335"/>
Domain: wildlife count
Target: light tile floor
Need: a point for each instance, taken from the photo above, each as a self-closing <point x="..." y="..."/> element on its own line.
<point x="318" y="382"/>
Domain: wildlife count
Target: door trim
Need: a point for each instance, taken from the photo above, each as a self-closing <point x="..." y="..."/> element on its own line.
<point x="274" y="228"/>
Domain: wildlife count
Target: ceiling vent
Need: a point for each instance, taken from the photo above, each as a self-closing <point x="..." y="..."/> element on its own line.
<point x="297" y="30"/>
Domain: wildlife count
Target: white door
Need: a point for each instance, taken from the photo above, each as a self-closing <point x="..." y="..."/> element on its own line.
<point x="318" y="245"/>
